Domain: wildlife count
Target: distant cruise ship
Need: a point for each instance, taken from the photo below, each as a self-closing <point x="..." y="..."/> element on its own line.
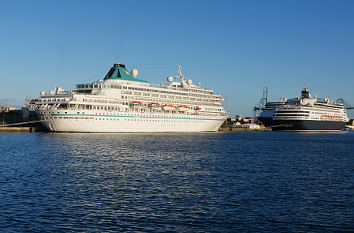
<point x="304" y="114"/>
<point x="123" y="103"/>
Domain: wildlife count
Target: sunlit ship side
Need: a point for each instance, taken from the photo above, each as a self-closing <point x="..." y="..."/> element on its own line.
<point x="123" y="103"/>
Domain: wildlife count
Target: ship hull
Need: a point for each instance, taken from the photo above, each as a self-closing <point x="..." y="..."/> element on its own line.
<point x="307" y="125"/>
<point x="266" y="117"/>
<point x="266" y="121"/>
<point x="89" y="123"/>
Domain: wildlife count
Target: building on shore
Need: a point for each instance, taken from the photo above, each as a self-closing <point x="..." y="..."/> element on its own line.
<point x="11" y="116"/>
<point x="7" y="108"/>
<point x="241" y="122"/>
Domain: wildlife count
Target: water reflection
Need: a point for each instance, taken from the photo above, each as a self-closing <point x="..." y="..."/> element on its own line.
<point x="248" y="181"/>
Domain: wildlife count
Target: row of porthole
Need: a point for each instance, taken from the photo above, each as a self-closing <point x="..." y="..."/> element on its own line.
<point x="117" y="114"/>
<point x="132" y="115"/>
<point x="113" y="119"/>
<point x="143" y="120"/>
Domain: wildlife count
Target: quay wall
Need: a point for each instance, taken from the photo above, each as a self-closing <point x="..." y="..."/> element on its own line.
<point x="243" y="129"/>
<point x="17" y="129"/>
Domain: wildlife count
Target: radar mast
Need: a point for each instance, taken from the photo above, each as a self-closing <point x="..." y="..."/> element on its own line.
<point x="180" y="74"/>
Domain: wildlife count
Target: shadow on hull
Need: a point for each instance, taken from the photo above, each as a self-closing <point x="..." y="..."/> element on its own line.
<point x="301" y="125"/>
<point x="266" y="121"/>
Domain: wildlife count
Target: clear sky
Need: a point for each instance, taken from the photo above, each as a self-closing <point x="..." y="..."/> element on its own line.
<point x="234" y="47"/>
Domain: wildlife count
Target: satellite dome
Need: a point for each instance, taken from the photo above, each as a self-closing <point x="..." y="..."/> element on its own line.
<point x="189" y="81"/>
<point x="170" y="79"/>
<point x="134" y="72"/>
<point x="43" y="93"/>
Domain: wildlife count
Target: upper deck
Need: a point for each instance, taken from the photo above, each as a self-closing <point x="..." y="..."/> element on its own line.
<point x="118" y="78"/>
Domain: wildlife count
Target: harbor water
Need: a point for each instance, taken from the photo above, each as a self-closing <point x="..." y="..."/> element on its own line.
<point x="197" y="182"/>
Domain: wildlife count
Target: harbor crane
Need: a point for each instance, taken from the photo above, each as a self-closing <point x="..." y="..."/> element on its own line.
<point x="262" y="102"/>
<point x="345" y="103"/>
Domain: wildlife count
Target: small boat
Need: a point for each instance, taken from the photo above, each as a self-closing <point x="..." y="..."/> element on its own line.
<point x="197" y="108"/>
<point x="154" y="105"/>
<point x="183" y="108"/>
<point x="136" y="104"/>
<point x="168" y="107"/>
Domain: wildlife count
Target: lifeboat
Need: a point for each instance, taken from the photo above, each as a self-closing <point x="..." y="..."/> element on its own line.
<point x="197" y="108"/>
<point x="154" y="105"/>
<point x="136" y="104"/>
<point x="183" y="108"/>
<point x="168" y="107"/>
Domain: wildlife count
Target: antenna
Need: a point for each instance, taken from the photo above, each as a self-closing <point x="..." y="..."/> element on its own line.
<point x="180" y="73"/>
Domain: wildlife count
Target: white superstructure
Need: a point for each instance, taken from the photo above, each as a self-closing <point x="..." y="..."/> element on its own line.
<point x="122" y="103"/>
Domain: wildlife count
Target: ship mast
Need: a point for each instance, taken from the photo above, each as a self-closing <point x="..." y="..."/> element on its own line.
<point x="180" y="74"/>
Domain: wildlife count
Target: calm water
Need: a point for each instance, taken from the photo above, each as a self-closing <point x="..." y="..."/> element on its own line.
<point x="207" y="182"/>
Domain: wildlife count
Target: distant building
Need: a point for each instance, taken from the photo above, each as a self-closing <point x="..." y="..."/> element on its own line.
<point x="239" y="121"/>
<point x="231" y="120"/>
<point x="7" y="108"/>
<point x="248" y="120"/>
<point x="251" y="126"/>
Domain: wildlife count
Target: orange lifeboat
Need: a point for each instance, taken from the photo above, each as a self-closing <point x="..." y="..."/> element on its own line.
<point x="183" y="108"/>
<point x="136" y="104"/>
<point x="168" y="107"/>
<point x="154" y="105"/>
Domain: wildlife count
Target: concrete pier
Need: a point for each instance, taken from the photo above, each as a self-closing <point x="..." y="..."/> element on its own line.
<point x="17" y="129"/>
<point x="243" y="129"/>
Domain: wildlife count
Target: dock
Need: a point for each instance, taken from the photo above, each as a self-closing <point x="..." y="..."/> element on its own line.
<point x="4" y="129"/>
<point x="244" y="129"/>
<point x="19" y="121"/>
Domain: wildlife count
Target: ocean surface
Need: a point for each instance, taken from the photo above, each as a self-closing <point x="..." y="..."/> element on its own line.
<point x="203" y="182"/>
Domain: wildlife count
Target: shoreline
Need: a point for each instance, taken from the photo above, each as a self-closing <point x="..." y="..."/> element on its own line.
<point x="18" y="129"/>
<point x="6" y="129"/>
<point x="243" y="129"/>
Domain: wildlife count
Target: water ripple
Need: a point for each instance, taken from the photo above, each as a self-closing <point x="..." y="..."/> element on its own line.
<point x="206" y="182"/>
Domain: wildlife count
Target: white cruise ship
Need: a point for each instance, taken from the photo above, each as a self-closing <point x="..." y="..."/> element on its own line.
<point x="305" y="114"/>
<point x="123" y="103"/>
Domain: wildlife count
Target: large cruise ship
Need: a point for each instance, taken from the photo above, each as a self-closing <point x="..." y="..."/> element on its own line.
<point x="305" y="113"/>
<point x="123" y="103"/>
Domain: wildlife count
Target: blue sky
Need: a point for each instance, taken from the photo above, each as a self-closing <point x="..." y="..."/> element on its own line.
<point x="234" y="47"/>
